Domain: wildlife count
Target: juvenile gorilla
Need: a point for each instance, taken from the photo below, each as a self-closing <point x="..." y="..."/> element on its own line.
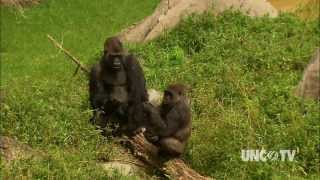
<point x="117" y="88"/>
<point x="170" y="125"/>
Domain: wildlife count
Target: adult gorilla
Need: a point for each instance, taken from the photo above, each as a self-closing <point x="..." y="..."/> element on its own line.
<point x="117" y="88"/>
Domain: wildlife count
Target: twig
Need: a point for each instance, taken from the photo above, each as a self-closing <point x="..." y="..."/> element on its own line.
<point x="66" y="52"/>
<point x="76" y="71"/>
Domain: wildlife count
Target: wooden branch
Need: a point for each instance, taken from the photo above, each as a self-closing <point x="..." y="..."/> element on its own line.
<point x="177" y="169"/>
<point x="66" y="52"/>
<point x="169" y="13"/>
<point x="173" y="168"/>
<point x="145" y="151"/>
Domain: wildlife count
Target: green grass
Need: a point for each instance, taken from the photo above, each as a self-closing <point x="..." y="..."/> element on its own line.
<point x="45" y="106"/>
<point x="242" y="72"/>
<point x="81" y="26"/>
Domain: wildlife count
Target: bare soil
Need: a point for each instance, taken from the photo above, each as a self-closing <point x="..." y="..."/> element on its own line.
<point x="306" y="9"/>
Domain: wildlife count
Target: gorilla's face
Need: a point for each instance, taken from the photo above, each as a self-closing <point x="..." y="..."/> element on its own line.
<point x="170" y="97"/>
<point x="115" y="62"/>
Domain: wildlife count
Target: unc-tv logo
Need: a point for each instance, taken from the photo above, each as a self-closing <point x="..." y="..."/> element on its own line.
<point x="264" y="155"/>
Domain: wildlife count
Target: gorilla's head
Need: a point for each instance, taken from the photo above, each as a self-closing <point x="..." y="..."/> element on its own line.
<point x="113" y="54"/>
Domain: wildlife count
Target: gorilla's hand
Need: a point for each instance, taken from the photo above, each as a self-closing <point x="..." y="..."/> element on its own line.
<point x="148" y="107"/>
<point x="139" y="130"/>
<point x="151" y="137"/>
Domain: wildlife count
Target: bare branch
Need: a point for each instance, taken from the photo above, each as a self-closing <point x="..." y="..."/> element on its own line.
<point x="66" y="52"/>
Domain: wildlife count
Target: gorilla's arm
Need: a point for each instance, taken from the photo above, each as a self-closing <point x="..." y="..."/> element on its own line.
<point x="185" y="130"/>
<point x="167" y="126"/>
<point x="156" y="121"/>
<point x="96" y="95"/>
<point x="174" y="122"/>
<point x="136" y="81"/>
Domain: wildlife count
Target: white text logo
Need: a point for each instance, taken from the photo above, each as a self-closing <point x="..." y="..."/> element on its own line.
<point x="263" y="155"/>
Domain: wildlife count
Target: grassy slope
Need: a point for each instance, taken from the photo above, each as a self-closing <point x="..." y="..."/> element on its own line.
<point x="45" y="106"/>
<point x="242" y="72"/>
<point x="81" y="26"/>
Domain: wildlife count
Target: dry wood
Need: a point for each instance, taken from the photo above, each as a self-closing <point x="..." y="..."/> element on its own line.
<point x="170" y="12"/>
<point x="66" y="52"/>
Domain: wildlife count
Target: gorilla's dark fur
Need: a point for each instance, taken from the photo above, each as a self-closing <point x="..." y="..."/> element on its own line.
<point x="170" y="125"/>
<point x="117" y="88"/>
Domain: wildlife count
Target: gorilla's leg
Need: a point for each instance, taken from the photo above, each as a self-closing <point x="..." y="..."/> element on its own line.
<point x="108" y="122"/>
<point x="171" y="146"/>
<point x="99" y="119"/>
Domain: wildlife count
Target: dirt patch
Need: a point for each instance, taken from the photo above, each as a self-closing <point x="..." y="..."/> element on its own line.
<point x="170" y="12"/>
<point x="307" y="9"/>
<point x="11" y="149"/>
<point x="288" y="5"/>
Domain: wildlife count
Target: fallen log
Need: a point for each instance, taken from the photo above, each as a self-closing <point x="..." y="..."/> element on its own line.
<point x="170" y="12"/>
<point x="174" y="168"/>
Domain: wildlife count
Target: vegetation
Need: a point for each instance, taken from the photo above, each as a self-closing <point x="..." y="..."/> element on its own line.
<point x="46" y="107"/>
<point x="242" y="73"/>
